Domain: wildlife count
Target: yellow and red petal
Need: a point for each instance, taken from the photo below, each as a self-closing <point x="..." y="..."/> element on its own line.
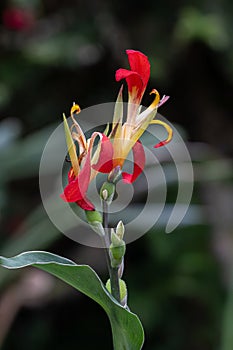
<point x="169" y="132"/>
<point x="105" y="159"/>
<point x="133" y="79"/>
<point x="77" y="188"/>
<point x="139" y="163"/>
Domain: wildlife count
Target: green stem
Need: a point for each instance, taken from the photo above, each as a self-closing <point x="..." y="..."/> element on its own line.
<point x="113" y="272"/>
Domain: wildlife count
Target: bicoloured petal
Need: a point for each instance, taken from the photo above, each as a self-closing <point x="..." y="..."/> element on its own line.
<point x="82" y="203"/>
<point x="133" y="79"/>
<point x="169" y="132"/>
<point x="77" y="188"/>
<point x="105" y="155"/>
<point x="139" y="163"/>
<point x="137" y="77"/>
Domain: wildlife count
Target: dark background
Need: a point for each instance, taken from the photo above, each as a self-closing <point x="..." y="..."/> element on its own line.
<point x="56" y="52"/>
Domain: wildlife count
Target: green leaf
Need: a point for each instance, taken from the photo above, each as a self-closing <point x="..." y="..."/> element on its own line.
<point x="126" y="327"/>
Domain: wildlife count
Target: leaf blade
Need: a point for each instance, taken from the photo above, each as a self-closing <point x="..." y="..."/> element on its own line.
<point x="126" y="327"/>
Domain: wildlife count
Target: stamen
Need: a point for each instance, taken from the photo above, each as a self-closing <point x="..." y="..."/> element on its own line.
<point x="75" y="109"/>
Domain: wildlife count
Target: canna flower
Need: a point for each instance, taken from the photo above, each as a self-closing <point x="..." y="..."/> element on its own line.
<point x="113" y="150"/>
<point x="84" y="166"/>
<point x="126" y="134"/>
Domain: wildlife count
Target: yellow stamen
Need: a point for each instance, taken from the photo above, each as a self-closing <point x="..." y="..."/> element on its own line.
<point x="75" y="109"/>
<point x="166" y="126"/>
<point x="79" y="135"/>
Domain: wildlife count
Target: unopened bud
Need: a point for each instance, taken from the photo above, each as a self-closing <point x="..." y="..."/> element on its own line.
<point x="117" y="250"/>
<point x="107" y="192"/>
<point x="120" y="229"/>
<point x="115" y="239"/>
<point x="123" y="289"/>
<point x="115" y="173"/>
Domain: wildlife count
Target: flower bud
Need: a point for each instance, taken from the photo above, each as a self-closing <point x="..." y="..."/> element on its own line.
<point x="120" y="229"/>
<point x="94" y="218"/>
<point x="115" y="173"/>
<point x="123" y="289"/>
<point x="117" y="250"/>
<point x="107" y="192"/>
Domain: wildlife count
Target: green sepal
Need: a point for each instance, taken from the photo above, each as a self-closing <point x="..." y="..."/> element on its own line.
<point x="94" y="219"/>
<point x="93" y="216"/>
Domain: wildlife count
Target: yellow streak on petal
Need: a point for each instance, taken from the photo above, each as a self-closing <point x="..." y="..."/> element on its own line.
<point x="71" y="147"/>
<point x="166" y="126"/>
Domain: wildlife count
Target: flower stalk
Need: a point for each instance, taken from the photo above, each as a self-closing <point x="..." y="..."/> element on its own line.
<point x="113" y="271"/>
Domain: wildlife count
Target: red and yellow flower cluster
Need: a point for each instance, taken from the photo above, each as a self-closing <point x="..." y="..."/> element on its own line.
<point x="113" y="148"/>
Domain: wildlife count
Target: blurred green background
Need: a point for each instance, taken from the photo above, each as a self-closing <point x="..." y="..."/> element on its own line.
<point x="56" y="52"/>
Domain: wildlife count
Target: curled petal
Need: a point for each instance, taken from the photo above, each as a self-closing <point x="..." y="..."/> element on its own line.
<point x="133" y="79"/>
<point x="168" y="129"/>
<point x="139" y="163"/>
<point x="104" y="154"/>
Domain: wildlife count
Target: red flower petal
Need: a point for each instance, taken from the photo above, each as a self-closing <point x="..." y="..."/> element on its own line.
<point x="136" y="78"/>
<point x="105" y="161"/>
<point x="77" y="188"/>
<point x="139" y="63"/>
<point x="139" y="163"/>
<point x="85" y="204"/>
<point x="133" y="79"/>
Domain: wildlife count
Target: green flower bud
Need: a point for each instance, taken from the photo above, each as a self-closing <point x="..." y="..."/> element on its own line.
<point x="107" y="192"/>
<point x="94" y="218"/>
<point x="120" y="229"/>
<point x="115" y="239"/>
<point x="116" y="255"/>
<point x="117" y="250"/>
<point x="123" y="288"/>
